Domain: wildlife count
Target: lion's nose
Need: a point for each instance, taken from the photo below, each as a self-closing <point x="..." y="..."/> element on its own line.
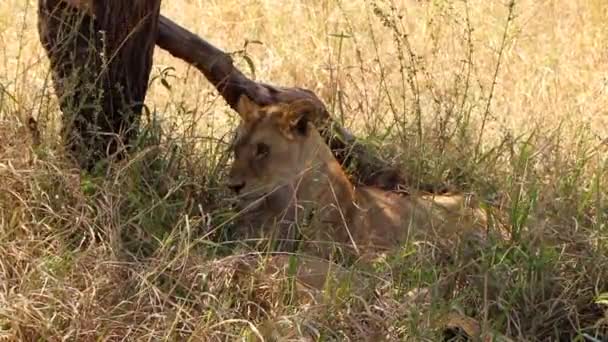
<point x="236" y="186"/>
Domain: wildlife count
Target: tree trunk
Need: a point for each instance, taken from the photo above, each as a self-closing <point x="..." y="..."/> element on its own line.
<point x="100" y="68"/>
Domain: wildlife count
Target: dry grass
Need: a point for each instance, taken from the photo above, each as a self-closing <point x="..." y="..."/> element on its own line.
<point x="509" y="102"/>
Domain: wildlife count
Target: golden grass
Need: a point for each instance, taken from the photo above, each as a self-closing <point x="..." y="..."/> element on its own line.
<point x="84" y="257"/>
<point x="553" y="65"/>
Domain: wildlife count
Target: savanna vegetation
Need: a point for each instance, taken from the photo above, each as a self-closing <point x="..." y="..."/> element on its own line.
<point x="504" y="99"/>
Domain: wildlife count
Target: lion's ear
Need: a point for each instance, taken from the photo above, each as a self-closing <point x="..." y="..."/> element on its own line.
<point x="299" y="124"/>
<point x="247" y="109"/>
<point x="299" y="116"/>
<point x="295" y="125"/>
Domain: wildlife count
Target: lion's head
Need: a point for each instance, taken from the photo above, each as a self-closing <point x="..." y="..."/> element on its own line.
<point x="274" y="148"/>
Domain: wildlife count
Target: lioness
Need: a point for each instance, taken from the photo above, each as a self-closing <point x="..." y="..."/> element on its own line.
<point x="285" y="174"/>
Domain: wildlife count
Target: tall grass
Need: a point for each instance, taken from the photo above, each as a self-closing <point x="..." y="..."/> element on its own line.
<point x="503" y="99"/>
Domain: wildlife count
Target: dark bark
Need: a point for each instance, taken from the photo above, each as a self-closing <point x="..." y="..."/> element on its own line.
<point x="231" y="83"/>
<point x="100" y="70"/>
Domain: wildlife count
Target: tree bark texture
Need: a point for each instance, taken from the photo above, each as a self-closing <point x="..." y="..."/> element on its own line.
<point x="100" y="68"/>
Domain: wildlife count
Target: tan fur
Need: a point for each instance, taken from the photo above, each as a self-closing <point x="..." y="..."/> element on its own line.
<point x="300" y="179"/>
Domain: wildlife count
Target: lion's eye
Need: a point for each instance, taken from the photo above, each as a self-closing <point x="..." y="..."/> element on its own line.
<point x="262" y="150"/>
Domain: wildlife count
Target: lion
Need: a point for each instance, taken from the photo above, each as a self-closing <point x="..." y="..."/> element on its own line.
<point x="285" y="177"/>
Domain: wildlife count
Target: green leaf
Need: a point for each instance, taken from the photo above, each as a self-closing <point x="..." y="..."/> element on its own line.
<point x="165" y="84"/>
<point x="247" y="42"/>
<point x="251" y="65"/>
<point x="602" y="299"/>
